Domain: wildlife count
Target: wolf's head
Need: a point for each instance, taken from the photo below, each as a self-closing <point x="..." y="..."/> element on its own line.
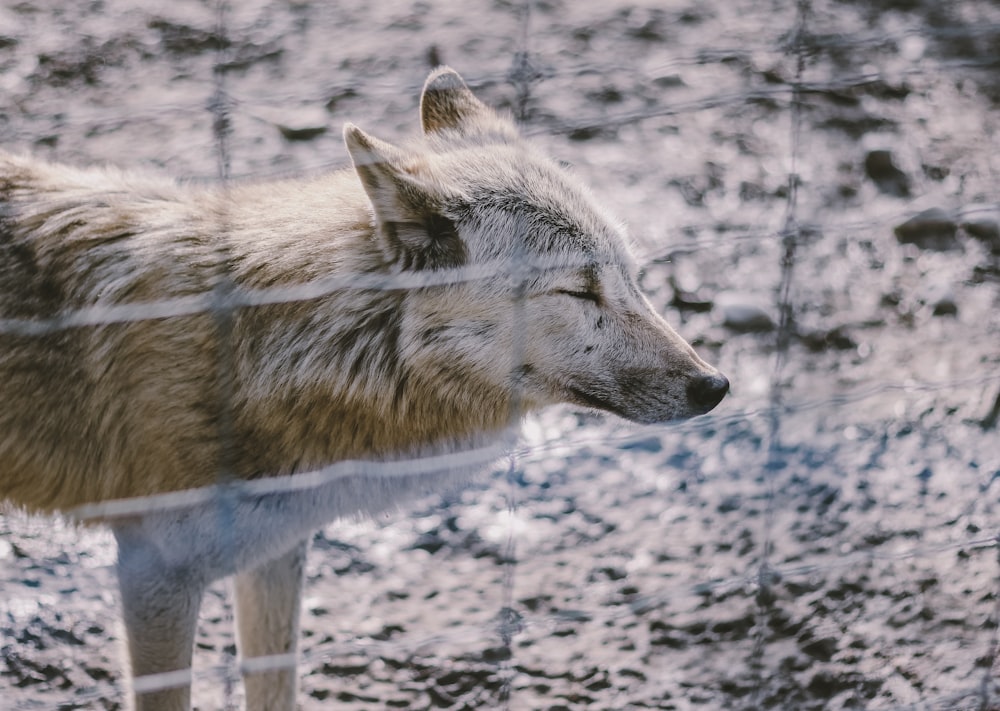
<point x="544" y="303"/>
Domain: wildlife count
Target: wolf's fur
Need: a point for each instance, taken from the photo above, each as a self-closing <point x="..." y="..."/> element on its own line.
<point x="104" y="411"/>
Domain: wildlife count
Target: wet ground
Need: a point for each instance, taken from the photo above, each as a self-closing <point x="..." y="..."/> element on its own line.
<point x="825" y="540"/>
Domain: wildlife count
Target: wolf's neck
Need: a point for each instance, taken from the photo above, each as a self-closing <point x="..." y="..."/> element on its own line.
<point x="328" y="378"/>
<point x="306" y="429"/>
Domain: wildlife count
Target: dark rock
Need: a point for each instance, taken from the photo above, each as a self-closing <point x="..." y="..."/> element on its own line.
<point x="245" y="55"/>
<point x="738" y="688"/>
<point x="946" y="306"/>
<point x="179" y="38"/>
<point x="941" y="299"/>
<point x="182" y="39"/>
<point x="388" y="632"/>
<point x="496" y="654"/>
<point x="752" y="192"/>
<point x="990" y="421"/>
<point x="300" y="133"/>
<point x="586" y="133"/>
<point x="80" y="65"/>
<point x="301" y="124"/>
<point x="573" y="615"/>
<point x="689" y="299"/>
<point x="99" y="673"/>
<point x="338" y="96"/>
<point x="735" y="628"/>
<point x="341" y="668"/>
<point x="986" y="230"/>
<point x="348" y="697"/>
<point x="856" y="123"/>
<point x="933" y="229"/>
<point x="879" y="166"/>
<point x="936" y="172"/>
<point x="431" y="542"/>
<point x="671" y="640"/>
<point x="884" y="90"/>
<point x="606" y="95"/>
<point x="610" y="572"/>
<point x="668" y="81"/>
<point x="836" y="338"/>
<point x="647" y="444"/>
<point x="826" y="684"/>
<point x="821" y="649"/>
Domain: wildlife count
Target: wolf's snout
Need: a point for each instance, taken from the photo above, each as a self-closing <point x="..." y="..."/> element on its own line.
<point x="707" y="391"/>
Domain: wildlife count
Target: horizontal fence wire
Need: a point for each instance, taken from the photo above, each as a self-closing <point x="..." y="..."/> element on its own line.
<point x="237" y="297"/>
<point x="793" y="96"/>
<point x="485" y="456"/>
<point x="781" y="95"/>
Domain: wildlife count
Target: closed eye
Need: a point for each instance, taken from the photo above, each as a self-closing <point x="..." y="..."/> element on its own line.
<point x="584" y="295"/>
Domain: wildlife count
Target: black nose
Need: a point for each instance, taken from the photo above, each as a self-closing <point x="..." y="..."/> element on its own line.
<point x="706" y="392"/>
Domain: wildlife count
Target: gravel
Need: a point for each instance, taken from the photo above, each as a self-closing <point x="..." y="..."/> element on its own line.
<point x="824" y="540"/>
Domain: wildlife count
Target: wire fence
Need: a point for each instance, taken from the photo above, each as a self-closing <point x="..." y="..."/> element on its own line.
<point x="757" y="466"/>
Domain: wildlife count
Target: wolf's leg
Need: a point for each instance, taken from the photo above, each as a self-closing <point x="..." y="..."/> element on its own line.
<point x="160" y="601"/>
<point x="268" y="601"/>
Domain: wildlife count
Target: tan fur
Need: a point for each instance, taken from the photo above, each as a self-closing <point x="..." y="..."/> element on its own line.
<point x="543" y="308"/>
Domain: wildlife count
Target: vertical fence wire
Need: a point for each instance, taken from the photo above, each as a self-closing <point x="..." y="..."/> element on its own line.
<point x="989" y="660"/>
<point x="223" y="314"/>
<point x="510" y="621"/>
<point x="775" y="462"/>
<point x="988" y="692"/>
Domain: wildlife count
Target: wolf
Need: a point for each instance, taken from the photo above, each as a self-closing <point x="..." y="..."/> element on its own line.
<point x="302" y="350"/>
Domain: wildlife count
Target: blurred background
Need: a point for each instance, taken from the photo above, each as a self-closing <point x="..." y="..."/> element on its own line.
<point x="812" y="188"/>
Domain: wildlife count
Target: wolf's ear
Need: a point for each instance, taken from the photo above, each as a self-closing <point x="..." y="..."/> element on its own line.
<point x="413" y="231"/>
<point x="447" y="104"/>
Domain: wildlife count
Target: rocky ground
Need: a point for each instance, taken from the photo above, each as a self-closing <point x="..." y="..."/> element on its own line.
<point x="825" y="540"/>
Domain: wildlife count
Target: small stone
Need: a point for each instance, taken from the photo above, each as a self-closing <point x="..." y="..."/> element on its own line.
<point x="880" y="167"/>
<point x="729" y="504"/>
<point x="586" y="133"/>
<point x="575" y="615"/>
<point x="434" y="57"/>
<point x="941" y="299"/>
<point x="743" y="316"/>
<point x="338" y="96"/>
<point x="301" y="124"/>
<point x="645" y="24"/>
<point x="607" y="95"/>
<point x="933" y="229"/>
